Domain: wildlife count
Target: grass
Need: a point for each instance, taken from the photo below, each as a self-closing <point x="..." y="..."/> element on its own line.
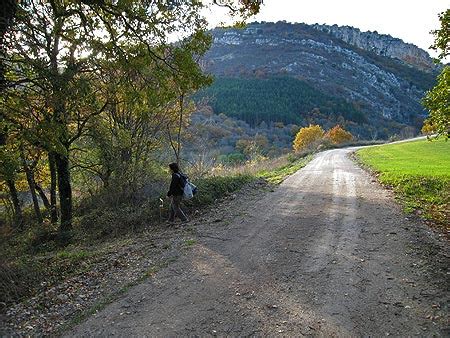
<point x="213" y="188"/>
<point x="419" y="173"/>
<point x="73" y="256"/>
<point x="27" y="274"/>
<point x="190" y="242"/>
<point x="277" y="175"/>
<point x="416" y="158"/>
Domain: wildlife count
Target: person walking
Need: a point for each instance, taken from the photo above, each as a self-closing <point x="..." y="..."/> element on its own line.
<point x="176" y="194"/>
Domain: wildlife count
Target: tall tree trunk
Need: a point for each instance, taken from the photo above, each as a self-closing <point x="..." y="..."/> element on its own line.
<point x="15" y="199"/>
<point x="42" y="195"/>
<point x="177" y="147"/>
<point x="30" y="180"/>
<point x="53" y="181"/>
<point x="65" y="191"/>
<point x="180" y="125"/>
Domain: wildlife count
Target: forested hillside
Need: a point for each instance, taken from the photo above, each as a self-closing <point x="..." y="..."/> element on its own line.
<point x="284" y="99"/>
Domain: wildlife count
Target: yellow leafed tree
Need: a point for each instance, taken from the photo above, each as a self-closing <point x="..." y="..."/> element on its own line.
<point x="338" y="135"/>
<point x="308" y="136"/>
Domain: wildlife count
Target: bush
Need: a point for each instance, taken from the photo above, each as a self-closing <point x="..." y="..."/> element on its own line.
<point x="41" y="239"/>
<point x="215" y="187"/>
<point x="105" y="223"/>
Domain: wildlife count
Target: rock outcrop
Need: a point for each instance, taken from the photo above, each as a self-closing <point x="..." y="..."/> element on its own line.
<point x="381" y="44"/>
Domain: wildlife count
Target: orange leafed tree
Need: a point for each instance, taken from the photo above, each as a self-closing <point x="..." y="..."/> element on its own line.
<point x="308" y="136"/>
<point x="338" y="135"/>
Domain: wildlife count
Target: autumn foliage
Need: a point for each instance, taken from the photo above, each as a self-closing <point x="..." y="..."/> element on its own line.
<point x="308" y="136"/>
<point x="338" y="135"/>
<point x="314" y="136"/>
<point x="428" y="128"/>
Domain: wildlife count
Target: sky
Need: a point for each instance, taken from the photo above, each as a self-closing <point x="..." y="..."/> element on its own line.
<point x="409" y="20"/>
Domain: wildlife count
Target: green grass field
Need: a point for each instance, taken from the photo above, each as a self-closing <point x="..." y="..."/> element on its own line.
<point x="419" y="172"/>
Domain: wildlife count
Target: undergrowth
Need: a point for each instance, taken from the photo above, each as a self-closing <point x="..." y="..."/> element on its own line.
<point x="430" y="195"/>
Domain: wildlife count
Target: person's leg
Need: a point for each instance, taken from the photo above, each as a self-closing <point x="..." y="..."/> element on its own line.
<point x="177" y="208"/>
<point x="171" y="210"/>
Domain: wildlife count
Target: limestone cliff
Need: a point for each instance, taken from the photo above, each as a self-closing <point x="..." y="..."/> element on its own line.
<point x="381" y="44"/>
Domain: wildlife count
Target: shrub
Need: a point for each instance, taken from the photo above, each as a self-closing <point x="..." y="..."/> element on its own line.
<point x="428" y="128"/>
<point x="108" y="222"/>
<point x="215" y="187"/>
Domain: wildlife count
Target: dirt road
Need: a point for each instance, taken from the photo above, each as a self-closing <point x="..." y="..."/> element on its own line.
<point x="327" y="252"/>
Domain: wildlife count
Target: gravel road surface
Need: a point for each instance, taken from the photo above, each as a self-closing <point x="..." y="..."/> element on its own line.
<point x="328" y="252"/>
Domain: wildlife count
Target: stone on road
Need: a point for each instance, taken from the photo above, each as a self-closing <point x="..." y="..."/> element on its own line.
<point x="327" y="252"/>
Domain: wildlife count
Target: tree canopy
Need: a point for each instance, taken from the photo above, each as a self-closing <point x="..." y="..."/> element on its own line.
<point x="308" y="137"/>
<point x="98" y="77"/>
<point x="437" y="99"/>
<point x="338" y="135"/>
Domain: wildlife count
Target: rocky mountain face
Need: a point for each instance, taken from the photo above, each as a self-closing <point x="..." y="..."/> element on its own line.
<point x="384" y="45"/>
<point x="378" y="75"/>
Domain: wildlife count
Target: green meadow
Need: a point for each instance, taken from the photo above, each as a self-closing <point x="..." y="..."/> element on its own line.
<point x="419" y="172"/>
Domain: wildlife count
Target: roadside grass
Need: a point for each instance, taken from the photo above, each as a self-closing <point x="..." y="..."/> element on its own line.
<point x="277" y="175"/>
<point x="419" y="173"/>
<point x="24" y="273"/>
<point x="190" y="242"/>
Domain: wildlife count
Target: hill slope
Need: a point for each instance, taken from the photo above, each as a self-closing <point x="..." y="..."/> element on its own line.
<point x="281" y="71"/>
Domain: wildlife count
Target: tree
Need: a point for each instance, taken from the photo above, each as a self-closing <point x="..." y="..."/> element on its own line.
<point x="442" y="36"/>
<point x="9" y="161"/>
<point x="437" y="100"/>
<point x="28" y="168"/>
<point x="188" y="80"/>
<point x="8" y="13"/>
<point x="9" y="167"/>
<point x="427" y="129"/>
<point x="308" y="137"/>
<point x="338" y="135"/>
<point x="56" y="54"/>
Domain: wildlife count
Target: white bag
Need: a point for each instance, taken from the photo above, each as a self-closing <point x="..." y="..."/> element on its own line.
<point x="188" y="190"/>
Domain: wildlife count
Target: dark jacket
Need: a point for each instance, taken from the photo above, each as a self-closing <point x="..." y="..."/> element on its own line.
<point x="176" y="185"/>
